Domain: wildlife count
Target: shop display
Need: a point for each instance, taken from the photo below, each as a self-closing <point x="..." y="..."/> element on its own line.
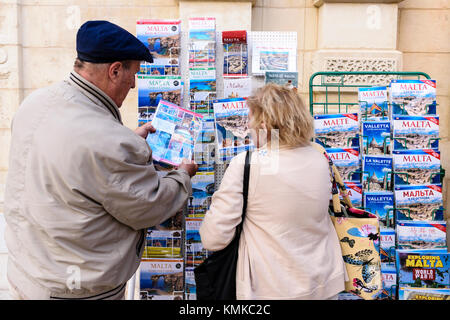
<point x="337" y="130"/>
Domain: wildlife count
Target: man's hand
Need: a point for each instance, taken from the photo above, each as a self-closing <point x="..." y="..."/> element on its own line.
<point x="190" y="166"/>
<point x="144" y="130"/>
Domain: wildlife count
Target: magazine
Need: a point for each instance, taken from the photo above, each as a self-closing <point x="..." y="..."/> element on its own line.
<point x="377" y="172"/>
<point x="232" y="127"/>
<point x="387" y="245"/>
<point x="376" y="137"/>
<point x="354" y="192"/>
<point x="202" y="54"/>
<point x="176" y="131"/>
<point x="162" y="244"/>
<point x="153" y="89"/>
<point x="418" y="202"/>
<point x="347" y="162"/>
<point x="288" y="79"/>
<point x="415" y="132"/>
<point x="237" y="87"/>
<point x="428" y="268"/>
<point x="413" y="97"/>
<point x="429" y="294"/>
<point x="267" y="58"/>
<point x="203" y="185"/>
<point x="421" y="234"/>
<point x="373" y="103"/>
<point x="414" y="167"/>
<point x="337" y="130"/>
<point x="161" y="279"/>
<point x="381" y="204"/>
<point x="162" y="38"/>
<point x="389" y="281"/>
<point x="235" y="53"/>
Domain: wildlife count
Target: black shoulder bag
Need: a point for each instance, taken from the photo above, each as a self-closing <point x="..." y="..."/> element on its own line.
<point x="215" y="277"/>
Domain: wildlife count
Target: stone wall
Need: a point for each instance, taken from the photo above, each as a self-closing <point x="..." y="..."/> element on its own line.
<point x="37" y="46"/>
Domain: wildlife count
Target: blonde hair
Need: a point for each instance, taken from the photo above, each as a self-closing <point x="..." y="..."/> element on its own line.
<point x="278" y="107"/>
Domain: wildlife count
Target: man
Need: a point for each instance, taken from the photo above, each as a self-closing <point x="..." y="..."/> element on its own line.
<point x="81" y="187"/>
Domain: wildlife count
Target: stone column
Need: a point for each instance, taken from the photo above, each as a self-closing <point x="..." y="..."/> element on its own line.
<point x="357" y="35"/>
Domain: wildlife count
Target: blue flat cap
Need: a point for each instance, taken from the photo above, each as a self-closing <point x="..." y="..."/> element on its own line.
<point x="102" y="42"/>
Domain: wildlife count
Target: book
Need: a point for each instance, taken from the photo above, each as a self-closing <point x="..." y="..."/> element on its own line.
<point x="427" y="268"/>
<point x="237" y="87"/>
<point x="232" y="127"/>
<point x="202" y="54"/>
<point x="418" y="202"/>
<point x="267" y="58"/>
<point x="203" y="187"/>
<point x="381" y="204"/>
<point x="162" y="244"/>
<point x="354" y="192"/>
<point x="421" y="234"/>
<point x="176" y="132"/>
<point x="161" y="279"/>
<point x="415" y="132"/>
<point x="202" y="29"/>
<point x="287" y="79"/>
<point x="389" y="282"/>
<point x="413" y="97"/>
<point x="377" y="172"/>
<point x="235" y="53"/>
<point x="153" y="89"/>
<point x="421" y="166"/>
<point x="202" y="89"/>
<point x="387" y="245"/>
<point x="376" y="137"/>
<point x="174" y="223"/>
<point x="204" y="148"/>
<point x="190" y="292"/>
<point x="373" y="103"/>
<point x="347" y="162"/>
<point x="162" y="38"/>
<point x="337" y="130"/>
<point x="195" y="253"/>
<point x="428" y="294"/>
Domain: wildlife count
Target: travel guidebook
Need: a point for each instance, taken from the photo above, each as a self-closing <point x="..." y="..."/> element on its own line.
<point x="232" y="127"/>
<point x="202" y="191"/>
<point x="176" y="132"/>
<point x="381" y="204"/>
<point x="287" y="79"/>
<point x="347" y="162"/>
<point x="376" y="137"/>
<point x="195" y="253"/>
<point x="190" y="291"/>
<point x="389" y="281"/>
<point x="162" y="244"/>
<point x="418" y="202"/>
<point x="354" y="192"/>
<point x="174" y="223"/>
<point x="162" y="38"/>
<point x="415" y="132"/>
<point x="337" y="130"/>
<point x="202" y="54"/>
<point x="427" y="268"/>
<point x="373" y="103"/>
<point x="387" y="245"/>
<point x="202" y="89"/>
<point x="235" y="53"/>
<point x="204" y="148"/>
<point x="428" y="294"/>
<point x="421" y="234"/>
<point x="153" y="89"/>
<point x="202" y="29"/>
<point x="413" y="97"/>
<point x="237" y="87"/>
<point x="377" y="172"/>
<point x="414" y="167"/>
<point x="161" y="279"/>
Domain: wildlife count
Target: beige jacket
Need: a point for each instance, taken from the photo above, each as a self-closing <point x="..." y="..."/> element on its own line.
<point x="289" y="248"/>
<point x="81" y="190"/>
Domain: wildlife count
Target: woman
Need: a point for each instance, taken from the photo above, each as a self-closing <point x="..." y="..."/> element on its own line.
<point x="288" y="248"/>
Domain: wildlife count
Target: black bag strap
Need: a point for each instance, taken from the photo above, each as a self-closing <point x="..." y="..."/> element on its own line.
<point x="246" y="179"/>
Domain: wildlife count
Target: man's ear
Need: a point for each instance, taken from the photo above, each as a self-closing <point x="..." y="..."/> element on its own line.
<point x="114" y="70"/>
